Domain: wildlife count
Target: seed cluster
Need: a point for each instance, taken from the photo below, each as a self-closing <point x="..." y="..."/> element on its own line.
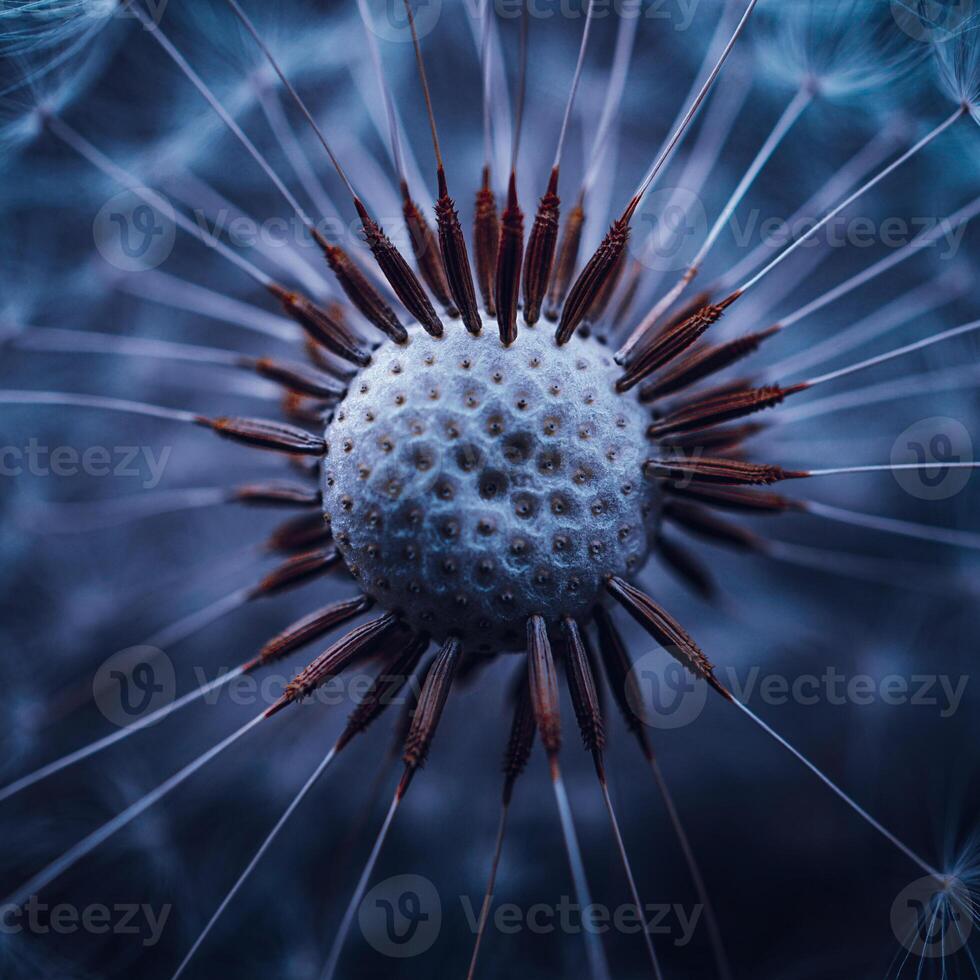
<point x="470" y="485"/>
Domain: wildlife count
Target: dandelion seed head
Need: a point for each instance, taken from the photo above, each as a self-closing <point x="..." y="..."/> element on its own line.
<point x="957" y="60"/>
<point x="471" y="485"/>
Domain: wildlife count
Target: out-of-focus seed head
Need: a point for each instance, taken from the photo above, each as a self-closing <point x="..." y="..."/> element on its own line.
<point x="471" y="485"/>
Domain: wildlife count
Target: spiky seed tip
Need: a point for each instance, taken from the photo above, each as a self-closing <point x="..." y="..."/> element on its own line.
<point x="266" y="434"/>
<point x="592" y="278"/>
<point x="541" y="246"/>
<point x="509" y="257"/>
<point x="310" y="628"/>
<point x="360" y="640"/>
<point x="543" y="685"/>
<point x="564" y="268"/>
<point x="581" y="686"/>
<point x="297" y="570"/>
<point x="300" y="378"/>
<point x="425" y="248"/>
<point x="717" y="410"/>
<point x="455" y="258"/>
<point x="402" y="280"/>
<point x="666" y="631"/>
<point x="521" y="739"/>
<point x="734" y="472"/>
<point x="321" y="326"/>
<point x="428" y="711"/>
<point x="486" y="241"/>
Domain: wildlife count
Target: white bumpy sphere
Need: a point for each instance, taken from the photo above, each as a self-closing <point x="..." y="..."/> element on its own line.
<point x="469" y="485"/>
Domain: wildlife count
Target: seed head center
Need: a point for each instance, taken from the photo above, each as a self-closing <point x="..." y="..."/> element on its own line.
<point x="470" y="485"/>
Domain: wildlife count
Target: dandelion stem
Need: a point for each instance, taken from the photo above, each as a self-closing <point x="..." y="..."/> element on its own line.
<point x="12" y="397"/>
<point x="488" y="896"/>
<point x="895" y="468"/>
<point x="576" y="78"/>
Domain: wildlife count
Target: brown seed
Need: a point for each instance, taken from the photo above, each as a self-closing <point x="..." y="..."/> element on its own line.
<point x="713" y="469"/>
<point x="486" y="241"/>
<point x="598" y="308"/>
<point x="717" y="410"/>
<point x="521" y="738"/>
<point x="452" y="244"/>
<point x="295" y="571"/>
<point x="301" y="378"/>
<point x="311" y="628"/>
<point x="701" y="363"/>
<point x="360" y="640"/>
<point x="402" y="280"/>
<point x="723" y="440"/>
<point x="435" y="691"/>
<point x="392" y="677"/>
<point x="687" y="568"/>
<point x="703" y="523"/>
<point x="541" y="245"/>
<point x="323" y="328"/>
<point x="621" y="676"/>
<point x="581" y="686"/>
<point x="277" y="495"/>
<point x="568" y="249"/>
<point x="300" y="534"/>
<point x="509" y="256"/>
<point x="671" y="343"/>
<point x="665" y="630"/>
<point x="592" y="278"/>
<point x="732" y="498"/>
<point x="425" y="248"/>
<point x="267" y="434"/>
<point x="543" y="685"/>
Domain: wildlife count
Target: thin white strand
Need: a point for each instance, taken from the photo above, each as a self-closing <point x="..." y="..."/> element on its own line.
<point x="117" y="736"/>
<point x="340" y="937"/>
<point x="923" y="240"/>
<point x="102" y="163"/>
<point x="88" y="844"/>
<point x="910" y="529"/>
<point x="259" y="854"/>
<point x="94" y="342"/>
<point x="871" y="155"/>
<point x="12" y="397"/>
<point x="831" y="785"/>
<point x="615" y="86"/>
<point x="688" y="117"/>
<point x="598" y="967"/>
<point x="847" y="202"/>
<point x="914" y="304"/>
<point x="796" y="107"/>
<point x="895" y="468"/>
<point x="154" y="30"/>
<point x="903" y="388"/>
<point x="576" y="78"/>
<point x="179" y="294"/>
<point x="898" y="352"/>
